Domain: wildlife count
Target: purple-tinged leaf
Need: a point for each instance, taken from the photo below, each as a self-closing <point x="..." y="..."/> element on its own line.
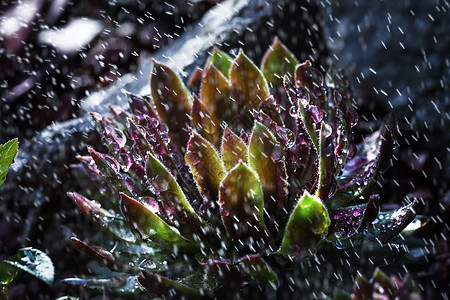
<point x="207" y="169"/>
<point x="271" y="108"/>
<point x="137" y="134"/>
<point x="103" y="256"/>
<point x="172" y="100"/>
<point x="242" y="204"/>
<point x="169" y="192"/>
<point x="220" y="60"/>
<point x="337" y="81"/>
<point x="233" y="149"/>
<point x="89" y="166"/>
<point x="266" y="157"/>
<point x="115" y="140"/>
<point x="310" y="82"/>
<point x="385" y="226"/>
<point x="102" y="218"/>
<point x="347" y="221"/>
<point x="110" y="168"/>
<point x="203" y="124"/>
<point x="277" y="62"/>
<point x="141" y="107"/>
<point x="159" y="286"/>
<point x="248" y="83"/>
<point x="308" y="224"/>
<point x="120" y="117"/>
<point x="244" y="136"/>
<point x="326" y="186"/>
<point x="390" y="224"/>
<point x="149" y="225"/>
<point x="361" y="172"/>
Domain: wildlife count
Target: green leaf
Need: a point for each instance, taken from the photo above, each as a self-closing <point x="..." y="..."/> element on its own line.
<point x="32" y="261"/>
<point x="7" y="153"/>
<point x="150" y="226"/>
<point x="242" y="202"/>
<point x="172" y="100"/>
<point x="233" y="149"/>
<point x="221" y="61"/>
<point x="278" y="62"/>
<point x="170" y="193"/>
<point x="249" y="85"/>
<point x="206" y="166"/>
<point x="306" y="227"/>
<point x="7" y="273"/>
<point x="266" y="157"/>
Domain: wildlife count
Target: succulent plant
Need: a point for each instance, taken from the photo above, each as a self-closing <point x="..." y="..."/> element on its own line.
<point x="199" y="191"/>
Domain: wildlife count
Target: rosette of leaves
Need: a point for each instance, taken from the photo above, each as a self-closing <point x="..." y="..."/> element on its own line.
<point x="200" y="190"/>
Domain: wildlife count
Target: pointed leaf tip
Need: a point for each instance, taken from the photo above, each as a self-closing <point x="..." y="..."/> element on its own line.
<point x="220" y="60"/>
<point x="307" y="225"/>
<point x="248" y="83"/>
<point x="242" y="203"/>
<point x="278" y="62"/>
<point x="233" y="149"/>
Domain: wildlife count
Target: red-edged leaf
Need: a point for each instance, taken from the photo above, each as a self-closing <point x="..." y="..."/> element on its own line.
<point x="233" y="149"/>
